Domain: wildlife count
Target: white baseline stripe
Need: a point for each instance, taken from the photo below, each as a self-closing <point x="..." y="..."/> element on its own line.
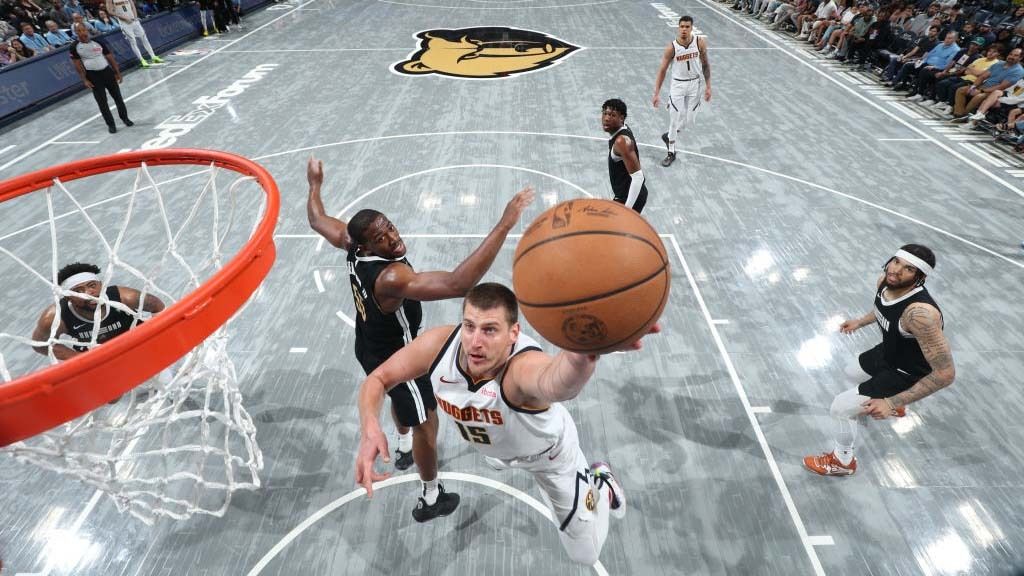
<point x="21" y="157"/>
<point x="904" y="140"/>
<point x="298" y="350"/>
<point x="404" y="478"/>
<point x="76" y="142"/>
<point x="6" y="148"/>
<point x="406" y="49"/>
<point x="822" y="541"/>
<point x="871" y="103"/>
<point x="734" y="376"/>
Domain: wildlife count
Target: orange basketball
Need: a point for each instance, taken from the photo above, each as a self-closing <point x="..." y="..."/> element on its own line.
<point x="591" y="275"/>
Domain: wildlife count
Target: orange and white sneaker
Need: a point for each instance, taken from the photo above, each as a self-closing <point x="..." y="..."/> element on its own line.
<point x="828" y="465"/>
<point x="899" y="412"/>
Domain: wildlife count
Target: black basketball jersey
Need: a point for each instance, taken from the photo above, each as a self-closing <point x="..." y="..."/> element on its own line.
<point x="378" y="333"/>
<point x="900" y="347"/>
<point x="617" y="168"/>
<point x="79" y="327"/>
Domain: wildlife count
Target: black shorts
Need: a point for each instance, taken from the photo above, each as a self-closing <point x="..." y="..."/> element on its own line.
<point x="413" y="401"/>
<point x="641" y="200"/>
<point x="885" y="380"/>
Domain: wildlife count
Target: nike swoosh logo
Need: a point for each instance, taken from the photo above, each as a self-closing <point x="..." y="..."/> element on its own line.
<point x="448" y="381"/>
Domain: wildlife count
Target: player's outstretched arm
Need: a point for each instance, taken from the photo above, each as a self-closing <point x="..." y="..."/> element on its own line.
<point x="408" y="363"/>
<point x="42" y="334"/>
<point x="666" y="61"/>
<point x="705" y="63"/>
<point x="625" y="150"/>
<point x="333" y="230"/>
<point x="403" y="282"/>
<point x="925" y="323"/>
<point x="130" y="298"/>
<point x="537" y="379"/>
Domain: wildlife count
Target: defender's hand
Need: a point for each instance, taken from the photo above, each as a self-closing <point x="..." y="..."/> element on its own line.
<point x="315" y="172"/>
<point x="371" y="444"/>
<point x="514" y="208"/>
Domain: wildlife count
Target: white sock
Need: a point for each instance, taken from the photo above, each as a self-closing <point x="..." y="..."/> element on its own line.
<point x="671" y="147"/>
<point x="430" y="492"/>
<point x="844" y="455"/>
<point x="405" y="442"/>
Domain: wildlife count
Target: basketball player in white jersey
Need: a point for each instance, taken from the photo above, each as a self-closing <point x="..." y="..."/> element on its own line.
<point x="132" y="29"/>
<point x="505" y="395"/>
<point x="912" y="361"/>
<point x="688" y="57"/>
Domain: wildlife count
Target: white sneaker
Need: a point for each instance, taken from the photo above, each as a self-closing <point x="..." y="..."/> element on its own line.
<point x="915" y="98"/>
<point x="802" y="37"/>
<point x="603" y="473"/>
<point x="977" y="116"/>
<point x="928" y="103"/>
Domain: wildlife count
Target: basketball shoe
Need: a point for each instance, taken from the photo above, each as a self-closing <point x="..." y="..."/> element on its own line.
<point x="445" y="504"/>
<point x="403" y="460"/>
<point x="828" y="465"/>
<point x="602" y="472"/>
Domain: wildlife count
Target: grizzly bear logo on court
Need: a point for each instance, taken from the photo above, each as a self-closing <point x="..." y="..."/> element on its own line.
<point x="485" y="52"/>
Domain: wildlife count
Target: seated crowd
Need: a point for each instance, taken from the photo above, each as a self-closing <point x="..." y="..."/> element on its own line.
<point x="29" y="29"/>
<point x="961" y="61"/>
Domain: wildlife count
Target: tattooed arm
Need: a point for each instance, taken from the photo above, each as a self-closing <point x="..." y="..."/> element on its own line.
<point x="925" y="323"/>
<point x="705" y="63"/>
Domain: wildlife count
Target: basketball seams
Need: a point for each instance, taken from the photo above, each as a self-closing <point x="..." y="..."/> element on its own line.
<point x="661" y="252"/>
<point x="600" y="296"/>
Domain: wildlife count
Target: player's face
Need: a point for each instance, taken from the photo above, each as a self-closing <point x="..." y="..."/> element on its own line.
<point x="899" y="274"/>
<point x="487" y="339"/>
<point x="90" y="288"/>
<point x="611" y="120"/>
<point x="685" y="29"/>
<point x="384" y="240"/>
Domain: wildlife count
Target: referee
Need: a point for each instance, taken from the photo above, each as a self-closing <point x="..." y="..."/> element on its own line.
<point x="99" y="72"/>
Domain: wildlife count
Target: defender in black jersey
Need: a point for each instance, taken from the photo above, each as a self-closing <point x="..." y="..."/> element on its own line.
<point x="387" y="294"/>
<point x="913" y="360"/>
<point x="624" y="170"/>
<point x="76" y="317"/>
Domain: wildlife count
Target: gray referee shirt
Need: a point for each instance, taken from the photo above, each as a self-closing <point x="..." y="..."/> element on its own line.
<point x="92" y="54"/>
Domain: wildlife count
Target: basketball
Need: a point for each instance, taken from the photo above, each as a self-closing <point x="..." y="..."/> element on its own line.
<point x="591" y="275"/>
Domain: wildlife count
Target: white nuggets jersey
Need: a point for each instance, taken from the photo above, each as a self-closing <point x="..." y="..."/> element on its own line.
<point x="482" y="414"/>
<point x="123" y="10"/>
<point x="686" y="65"/>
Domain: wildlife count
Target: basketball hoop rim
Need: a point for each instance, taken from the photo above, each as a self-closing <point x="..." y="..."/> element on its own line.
<point x="59" y="393"/>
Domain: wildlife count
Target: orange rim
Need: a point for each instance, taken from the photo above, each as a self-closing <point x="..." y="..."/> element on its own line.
<point x="57" y="394"/>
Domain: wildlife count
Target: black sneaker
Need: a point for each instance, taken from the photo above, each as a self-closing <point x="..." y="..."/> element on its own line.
<point x="128" y="122"/>
<point x="664" y="138"/>
<point x="112" y="129"/>
<point x="404" y="460"/>
<point x="446" y="504"/>
<point x="669" y="159"/>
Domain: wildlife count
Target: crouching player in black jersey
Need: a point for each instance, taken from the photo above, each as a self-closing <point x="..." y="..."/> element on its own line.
<point x="913" y="360"/>
<point x="80" y="316"/>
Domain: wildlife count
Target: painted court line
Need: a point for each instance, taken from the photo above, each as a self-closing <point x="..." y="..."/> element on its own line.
<point x="345" y="319"/>
<point x="6" y="148"/>
<point x="76" y="142"/>
<point x="761" y="409"/>
<point x="89" y="119"/>
<point x="523" y="497"/>
<point x="991" y="175"/>
<point x="742" y="394"/>
<point x="904" y="140"/>
<point x="319" y="281"/>
<point x="298" y="350"/>
<point x="719" y="321"/>
<point x="822" y="541"/>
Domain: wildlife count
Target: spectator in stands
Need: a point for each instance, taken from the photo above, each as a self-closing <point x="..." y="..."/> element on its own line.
<point x="899" y="68"/>
<point x="33" y="11"/>
<point x="5" y="54"/>
<point x="954" y="19"/>
<point x="785" y="13"/>
<point x="31" y="40"/>
<point x="78" y="19"/>
<point x="1012" y="96"/>
<point x="903" y="41"/>
<point x="967" y="33"/>
<point x="927" y="79"/>
<point x="946" y="88"/>
<point x="878" y="36"/>
<point x="920" y="23"/>
<point x="7" y="30"/>
<point x="901" y="13"/>
<point x="827" y="10"/>
<point x="55" y="36"/>
<point x="819" y="26"/>
<point x="985" y="31"/>
<point x="104" y="23"/>
<point x="834" y="33"/>
<point x="936" y="60"/>
<point x="20" y="50"/>
<point x="57" y="14"/>
<point x="72" y="7"/>
<point x="857" y="33"/>
<point x="999" y="77"/>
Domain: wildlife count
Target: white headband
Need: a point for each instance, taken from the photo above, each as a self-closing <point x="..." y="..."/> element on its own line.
<point x="79" y="279"/>
<point x="917" y="262"/>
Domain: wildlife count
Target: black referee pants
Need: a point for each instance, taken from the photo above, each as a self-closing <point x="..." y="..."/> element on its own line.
<point x="102" y="82"/>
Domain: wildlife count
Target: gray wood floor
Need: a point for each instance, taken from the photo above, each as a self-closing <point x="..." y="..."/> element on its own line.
<point x="790" y="192"/>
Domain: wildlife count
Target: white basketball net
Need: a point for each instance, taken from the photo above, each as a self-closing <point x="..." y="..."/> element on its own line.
<point x="181" y="443"/>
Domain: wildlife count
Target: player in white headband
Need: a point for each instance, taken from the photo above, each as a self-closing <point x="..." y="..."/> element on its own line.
<point x="913" y="360"/>
<point x="78" y="317"/>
